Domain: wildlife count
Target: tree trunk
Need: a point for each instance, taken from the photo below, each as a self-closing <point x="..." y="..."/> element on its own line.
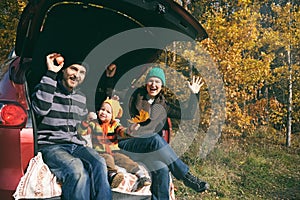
<point x="290" y="101"/>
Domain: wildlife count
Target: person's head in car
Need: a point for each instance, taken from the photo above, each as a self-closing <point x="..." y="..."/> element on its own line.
<point x="72" y="74"/>
<point x="155" y="80"/>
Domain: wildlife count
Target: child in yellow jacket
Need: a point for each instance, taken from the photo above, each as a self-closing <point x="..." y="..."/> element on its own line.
<point x="104" y="135"/>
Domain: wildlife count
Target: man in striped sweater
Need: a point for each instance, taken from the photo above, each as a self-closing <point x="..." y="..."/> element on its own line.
<point x="59" y="107"/>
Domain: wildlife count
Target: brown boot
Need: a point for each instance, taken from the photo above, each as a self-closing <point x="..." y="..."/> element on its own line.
<point x="140" y="183"/>
<point x="116" y="180"/>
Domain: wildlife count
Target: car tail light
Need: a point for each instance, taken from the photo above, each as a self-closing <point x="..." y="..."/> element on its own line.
<point x="12" y="115"/>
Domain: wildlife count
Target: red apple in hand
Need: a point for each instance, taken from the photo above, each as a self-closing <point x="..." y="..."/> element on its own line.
<point x="59" y="60"/>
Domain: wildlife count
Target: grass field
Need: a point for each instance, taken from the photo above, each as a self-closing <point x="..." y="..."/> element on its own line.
<point x="259" y="166"/>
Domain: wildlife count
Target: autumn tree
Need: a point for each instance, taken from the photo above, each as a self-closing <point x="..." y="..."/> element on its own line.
<point x="10" y="11"/>
<point x="235" y="44"/>
<point x="254" y="44"/>
<point x="282" y="26"/>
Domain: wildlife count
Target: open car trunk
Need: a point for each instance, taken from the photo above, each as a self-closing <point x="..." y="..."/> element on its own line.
<point x="75" y="28"/>
<point x="129" y="33"/>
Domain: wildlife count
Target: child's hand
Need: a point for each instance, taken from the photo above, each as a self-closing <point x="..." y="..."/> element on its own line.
<point x="115" y="97"/>
<point x="133" y="127"/>
<point x="91" y="116"/>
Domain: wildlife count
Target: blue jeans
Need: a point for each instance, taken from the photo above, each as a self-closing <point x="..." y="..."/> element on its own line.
<point x="159" y="158"/>
<point x="81" y="170"/>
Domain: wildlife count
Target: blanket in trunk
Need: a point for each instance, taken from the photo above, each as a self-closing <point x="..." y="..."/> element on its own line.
<point x="39" y="183"/>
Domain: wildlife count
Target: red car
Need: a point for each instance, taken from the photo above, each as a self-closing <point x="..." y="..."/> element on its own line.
<point x="129" y="32"/>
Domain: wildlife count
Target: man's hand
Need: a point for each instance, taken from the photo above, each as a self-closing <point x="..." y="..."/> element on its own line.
<point x="55" y="62"/>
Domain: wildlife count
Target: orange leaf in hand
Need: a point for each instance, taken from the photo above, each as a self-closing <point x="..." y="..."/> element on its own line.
<point x="142" y="117"/>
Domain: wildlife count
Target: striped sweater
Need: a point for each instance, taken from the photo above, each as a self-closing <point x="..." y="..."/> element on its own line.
<point x="58" y="111"/>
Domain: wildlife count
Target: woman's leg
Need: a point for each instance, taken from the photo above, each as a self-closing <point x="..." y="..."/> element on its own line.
<point x="160" y="186"/>
<point x="152" y="149"/>
<point x="155" y="148"/>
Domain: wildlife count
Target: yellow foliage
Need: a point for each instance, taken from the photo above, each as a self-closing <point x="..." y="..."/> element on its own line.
<point x="142" y="117"/>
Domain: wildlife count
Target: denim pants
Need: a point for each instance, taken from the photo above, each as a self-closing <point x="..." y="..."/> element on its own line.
<point x="159" y="158"/>
<point x="81" y="170"/>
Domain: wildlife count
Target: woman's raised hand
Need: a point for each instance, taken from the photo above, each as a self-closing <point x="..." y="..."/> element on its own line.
<point x="196" y="84"/>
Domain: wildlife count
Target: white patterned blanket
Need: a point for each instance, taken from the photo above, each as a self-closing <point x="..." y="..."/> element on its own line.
<point x="38" y="183"/>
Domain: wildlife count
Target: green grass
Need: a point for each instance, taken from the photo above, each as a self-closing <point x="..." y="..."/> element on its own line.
<point x="253" y="167"/>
